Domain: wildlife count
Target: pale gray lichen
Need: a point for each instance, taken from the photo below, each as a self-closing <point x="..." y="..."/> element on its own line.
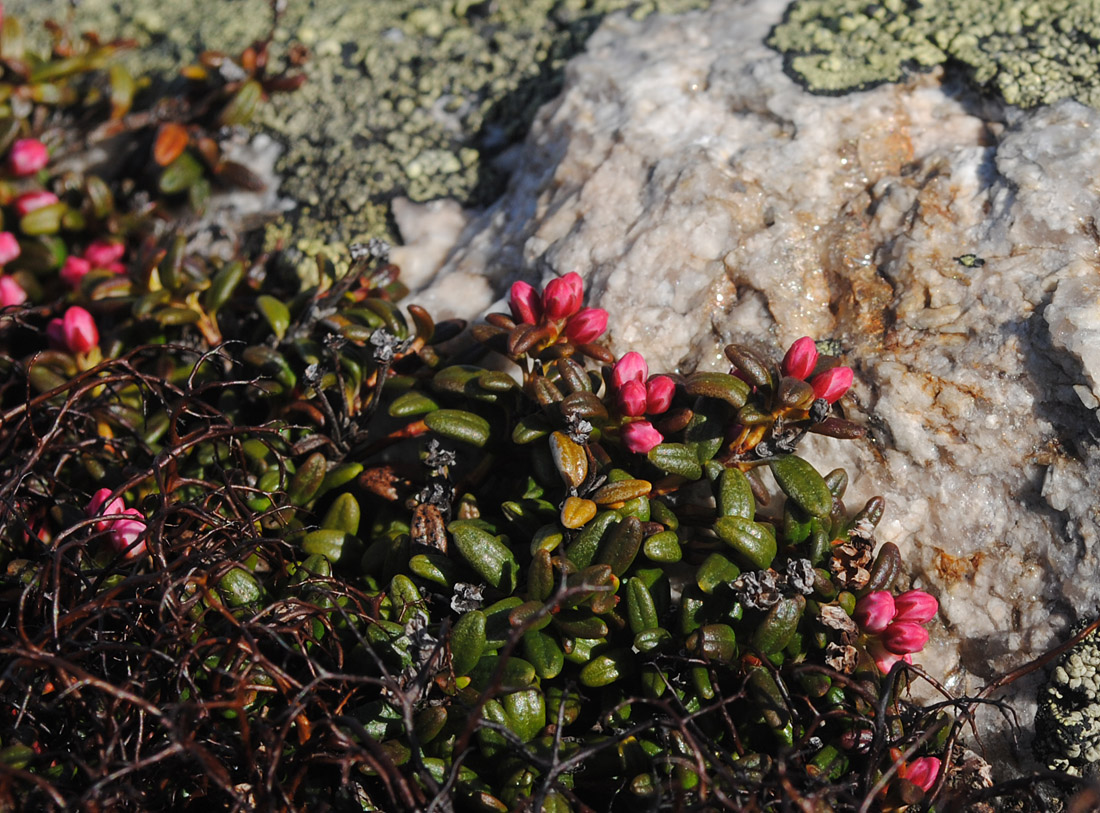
<point x="1030" y="51"/>
<point x="405" y="97"/>
<point x="1067" y="724"/>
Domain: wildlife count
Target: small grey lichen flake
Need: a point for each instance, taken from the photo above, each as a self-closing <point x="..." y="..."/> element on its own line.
<point x="1067" y="724"/>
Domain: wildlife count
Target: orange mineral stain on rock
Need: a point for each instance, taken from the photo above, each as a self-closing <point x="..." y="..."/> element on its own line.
<point x="955" y="568"/>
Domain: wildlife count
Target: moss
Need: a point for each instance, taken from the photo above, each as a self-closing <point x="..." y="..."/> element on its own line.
<point x="405" y="97"/>
<point x="1029" y="52"/>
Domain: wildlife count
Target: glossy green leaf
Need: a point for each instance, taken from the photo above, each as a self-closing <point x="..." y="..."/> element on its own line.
<point x="801" y="482"/>
<point x="486" y="554"/>
<point x="676" y="458"/>
<point x="276" y="313"/>
<point x="753" y="543"/>
<point x="459" y="425"/>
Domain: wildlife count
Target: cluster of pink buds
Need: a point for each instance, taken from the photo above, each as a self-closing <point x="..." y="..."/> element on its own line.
<point x="125" y="525"/>
<point x="638" y="395"/>
<point x="800" y="362"/>
<point x="99" y="254"/>
<point x="75" y="331"/>
<point x="27" y="156"/>
<point x="558" y="310"/>
<point x="11" y="292"/>
<point x="896" y="624"/>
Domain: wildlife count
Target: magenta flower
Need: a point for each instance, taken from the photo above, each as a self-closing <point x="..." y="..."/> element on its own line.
<point x="563" y="296"/>
<point x="922" y="772"/>
<point x="916" y="606"/>
<point x="104" y="254"/>
<point x="874" y="612"/>
<point x="125" y="532"/>
<point x="904" y="637"/>
<point x="74" y="269"/>
<point x="9" y="247"/>
<point x="832" y="384"/>
<point x="11" y="292"/>
<point x="640" y="436"/>
<point x="632" y="399"/>
<point x="801" y="358"/>
<point x="525" y="304"/>
<point x="659" y="391"/>
<point x="30" y="201"/>
<point x="631" y="367"/>
<point x="79" y="330"/>
<point x="587" y="325"/>
<point x="96" y="507"/>
<point x="27" y="156"/>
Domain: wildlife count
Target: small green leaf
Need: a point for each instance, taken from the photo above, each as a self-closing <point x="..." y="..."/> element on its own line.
<point x="663" y="547"/>
<point x="179" y="175"/>
<point x="752" y="542"/>
<point x="307" y="480"/>
<point x="276" y="313"/>
<point x="676" y="458"/>
<point x="222" y="286"/>
<point x="459" y="425"/>
<point x="412" y="403"/>
<point x="239" y="587"/>
<point x="603" y="670"/>
<point x="44" y="220"/>
<point x="242" y="107"/>
<point x="337" y="546"/>
<point x="343" y="514"/>
<point x="467" y="642"/>
<point x="544" y="652"/>
<point x="716" y="570"/>
<point x="726" y="387"/>
<point x="779" y="626"/>
<point x="735" y="497"/>
<point x="486" y="554"/>
<point x="801" y="482"/>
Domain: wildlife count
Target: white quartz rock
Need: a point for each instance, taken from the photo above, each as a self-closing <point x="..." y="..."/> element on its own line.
<point x="707" y="198"/>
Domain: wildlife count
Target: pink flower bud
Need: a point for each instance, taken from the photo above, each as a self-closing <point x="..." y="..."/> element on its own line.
<point x="79" y="330"/>
<point x="922" y="772"/>
<point x="884" y="658"/>
<point x="96" y="507"/>
<point x="102" y="253"/>
<point x="904" y="637"/>
<point x="874" y="612"/>
<point x="586" y="326"/>
<point x="74" y="269"/>
<point x="55" y="333"/>
<point x="640" y="436"/>
<point x="632" y="399"/>
<point x="524" y="303"/>
<point x="125" y="532"/>
<point x="563" y="296"/>
<point x="658" y="394"/>
<point x="801" y="358"/>
<point x="29" y="201"/>
<point x="832" y="384"/>
<point x="631" y="367"/>
<point x="916" y="606"/>
<point x="9" y="247"/>
<point x="27" y="156"/>
<point x="11" y="292"/>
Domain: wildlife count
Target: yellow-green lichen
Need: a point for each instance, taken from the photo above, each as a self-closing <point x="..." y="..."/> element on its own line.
<point x="1030" y="52"/>
<point x="405" y="97"/>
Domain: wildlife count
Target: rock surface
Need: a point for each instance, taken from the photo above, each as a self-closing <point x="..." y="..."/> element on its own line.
<point x="949" y="244"/>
